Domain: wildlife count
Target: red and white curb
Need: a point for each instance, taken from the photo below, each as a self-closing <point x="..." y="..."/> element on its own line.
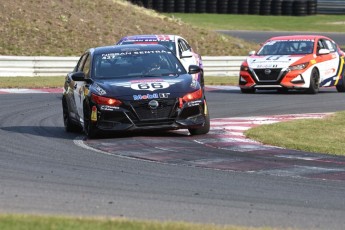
<point x="228" y="133"/>
<point x="22" y="91"/>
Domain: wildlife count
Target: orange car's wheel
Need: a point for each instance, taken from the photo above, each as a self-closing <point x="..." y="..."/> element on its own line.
<point x="314" y="82"/>
<point x="341" y="85"/>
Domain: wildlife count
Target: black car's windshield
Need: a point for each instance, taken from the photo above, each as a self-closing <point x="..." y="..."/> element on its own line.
<point x="146" y="63"/>
<point x="286" y="47"/>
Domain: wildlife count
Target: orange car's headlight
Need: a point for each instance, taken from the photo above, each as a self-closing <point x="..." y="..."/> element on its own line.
<point x="299" y="66"/>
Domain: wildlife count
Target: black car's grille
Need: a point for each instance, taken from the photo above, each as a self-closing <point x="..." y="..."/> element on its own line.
<point x="267" y="74"/>
<point x="164" y="110"/>
<point x="118" y="117"/>
<point x="191" y="111"/>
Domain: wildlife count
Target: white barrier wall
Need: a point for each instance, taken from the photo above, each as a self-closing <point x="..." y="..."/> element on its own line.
<point x="29" y="66"/>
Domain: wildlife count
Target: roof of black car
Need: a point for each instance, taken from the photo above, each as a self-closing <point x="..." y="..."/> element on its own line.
<point x="124" y="48"/>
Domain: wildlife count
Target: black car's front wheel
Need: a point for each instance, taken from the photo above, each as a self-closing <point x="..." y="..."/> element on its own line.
<point x="203" y="129"/>
<point x="90" y="128"/>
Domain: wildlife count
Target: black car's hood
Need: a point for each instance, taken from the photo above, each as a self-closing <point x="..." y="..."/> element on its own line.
<point x="137" y="88"/>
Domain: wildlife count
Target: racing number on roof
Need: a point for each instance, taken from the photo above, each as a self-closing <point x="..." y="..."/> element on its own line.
<point x="273" y="58"/>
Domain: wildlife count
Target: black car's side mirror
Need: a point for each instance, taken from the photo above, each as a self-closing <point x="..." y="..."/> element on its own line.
<point x="78" y="76"/>
<point x="194" y="69"/>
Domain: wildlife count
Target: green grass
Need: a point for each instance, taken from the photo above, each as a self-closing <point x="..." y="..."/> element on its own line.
<point x="54" y="82"/>
<point x="311" y="135"/>
<point x="31" y="82"/>
<point x="28" y="222"/>
<point x="315" y="23"/>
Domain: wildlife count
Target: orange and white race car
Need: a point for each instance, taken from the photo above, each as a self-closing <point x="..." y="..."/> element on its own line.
<point x="301" y="62"/>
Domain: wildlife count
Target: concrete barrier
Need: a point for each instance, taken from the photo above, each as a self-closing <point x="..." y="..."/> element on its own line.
<point x="31" y="66"/>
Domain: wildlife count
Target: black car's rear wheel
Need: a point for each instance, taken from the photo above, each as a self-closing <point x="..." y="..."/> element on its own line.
<point x="70" y="126"/>
<point x="203" y="129"/>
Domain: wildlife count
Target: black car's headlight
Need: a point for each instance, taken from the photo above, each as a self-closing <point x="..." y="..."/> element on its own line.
<point x="105" y="100"/>
<point x="196" y="95"/>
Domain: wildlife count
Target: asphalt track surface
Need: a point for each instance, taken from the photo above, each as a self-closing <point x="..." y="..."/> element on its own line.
<point x="44" y="170"/>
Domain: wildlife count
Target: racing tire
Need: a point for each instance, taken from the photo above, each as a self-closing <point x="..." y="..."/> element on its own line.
<point x="90" y="128"/>
<point x="69" y="125"/>
<point x="276" y="7"/>
<point x="211" y="7"/>
<point x="287" y="7"/>
<point x="233" y="6"/>
<point x="311" y="7"/>
<point x="341" y="85"/>
<point x="243" y="7"/>
<point x="169" y="6"/>
<point x="191" y="6"/>
<point x="251" y="90"/>
<point x="222" y="7"/>
<point x="254" y="6"/>
<point x="180" y="6"/>
<point x="201" y="6"/>
<point x="265" y="7"/>
<point x="299" y="8"/>
<point x="314" y="82"/>
<point x="202" y="130"/>
<point x="148" y="4"/>
<point x="158" y="5"/>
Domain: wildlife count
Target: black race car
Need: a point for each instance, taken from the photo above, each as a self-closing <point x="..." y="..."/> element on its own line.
<point x="133" y="87"/>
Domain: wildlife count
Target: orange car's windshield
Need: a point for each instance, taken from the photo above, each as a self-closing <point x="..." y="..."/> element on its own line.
<point x="287" y="47"/>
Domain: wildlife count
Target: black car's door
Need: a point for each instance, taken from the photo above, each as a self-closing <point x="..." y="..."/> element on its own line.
<point x="71" y="85"/>
<point x="74" y="87"/>
<point x="79" y="86"/>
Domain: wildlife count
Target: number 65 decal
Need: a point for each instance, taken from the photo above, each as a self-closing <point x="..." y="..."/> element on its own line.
<point x="151" y="86"/>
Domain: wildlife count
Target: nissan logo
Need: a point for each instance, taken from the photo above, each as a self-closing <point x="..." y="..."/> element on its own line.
<point x="267" y="71"/>
<point x="153" y="104"/>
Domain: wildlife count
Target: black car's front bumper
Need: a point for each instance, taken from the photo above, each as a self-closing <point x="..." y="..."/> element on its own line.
<point x="137" y="115"/>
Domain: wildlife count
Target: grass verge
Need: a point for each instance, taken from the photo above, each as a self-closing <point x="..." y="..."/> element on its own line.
<point x="31" y="82"/>
<point x="54" y="82"/>
<point x="28" y="222"/>
<point x="311" y="135"/>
